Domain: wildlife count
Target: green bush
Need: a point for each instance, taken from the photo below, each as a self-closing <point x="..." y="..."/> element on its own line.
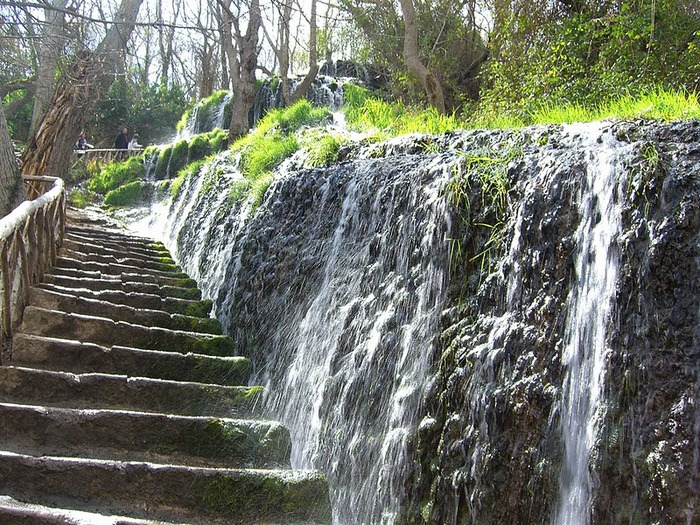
<point x="129" y="194"/>
<point x="178" y="158"/>
<point x="198" y="147"/>
<point x="116" y="174"/>
<point x="163" y="161"/>
<point x="267" y="152"/>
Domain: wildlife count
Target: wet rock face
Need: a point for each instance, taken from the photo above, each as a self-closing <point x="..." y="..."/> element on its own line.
<point x="349" y="280"/>
<point x="490" y="448"/>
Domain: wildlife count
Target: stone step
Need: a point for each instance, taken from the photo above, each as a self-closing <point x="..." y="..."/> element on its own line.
<point x="139" y="300"/>
<point x="115" y="236"/>
<point x="116" y="283"/>
<point x="51" y="300"/>
<point x="131" y="277"/>
<point x="99" y="330"/>
<point x="14" y="512"/>
<point x="114" y="268"/>
<point x="79" y="358"/>
<point x="125" y="261"/>
<point x="95" y="247"/>
<point x="140" y="436"/>
<point x="105" y="391"/>
<point x="168" y="492"/>
<point x="120" y="243"/>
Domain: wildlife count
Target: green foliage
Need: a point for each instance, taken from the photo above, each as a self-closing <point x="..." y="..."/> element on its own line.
<point x="271" y="142"/>
<point x="366" y="112"/>
<point x="178" y="157"/>
<point x="205" y="113"/>
<point x="589" y="57"/>
<point x="81" y="197"/>
<point x="163" y="162"/>
<point x="321" y="148"/>
<point x="116" y="174"/>
<point x="267" y="152"/>
<point x="188" y="171"/>
<point x="128" y="195"/>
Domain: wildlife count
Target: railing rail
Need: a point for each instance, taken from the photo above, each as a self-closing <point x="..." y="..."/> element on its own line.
<point x="30" y="237"/>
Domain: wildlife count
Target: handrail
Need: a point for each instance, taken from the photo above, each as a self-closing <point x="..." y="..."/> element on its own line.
<point x="30" y="237"/>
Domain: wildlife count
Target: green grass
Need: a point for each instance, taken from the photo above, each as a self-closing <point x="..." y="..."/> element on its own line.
<point x="365" y="112"/>
<point x="660" y="104"/>
<point x="129" y="194"/>
<point x="116" y="174"/>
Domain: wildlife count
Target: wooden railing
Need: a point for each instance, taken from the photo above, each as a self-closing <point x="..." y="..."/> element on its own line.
<point x="102" y="156"/>
<point x="30" y="237"/>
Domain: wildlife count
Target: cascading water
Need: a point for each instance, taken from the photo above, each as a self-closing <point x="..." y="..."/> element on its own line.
<point x="585" y="333"/>
<point x="567" y="388"/>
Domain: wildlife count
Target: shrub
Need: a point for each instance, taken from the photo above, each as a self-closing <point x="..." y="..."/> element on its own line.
<point x="178" y="158"/>
<point x="129" y="194"/>
<point x="116" y="174"/>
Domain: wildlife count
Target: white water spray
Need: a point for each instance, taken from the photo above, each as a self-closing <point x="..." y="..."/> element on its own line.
<point x="585" y="336"/>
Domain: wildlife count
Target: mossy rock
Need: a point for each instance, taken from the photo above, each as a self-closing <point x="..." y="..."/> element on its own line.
<point x="200" y="308"/>
<point x="163" y="162"/>
<point x="194" y="294"/>
<point x="135" y="192"/>
<point x="178" y="158"/>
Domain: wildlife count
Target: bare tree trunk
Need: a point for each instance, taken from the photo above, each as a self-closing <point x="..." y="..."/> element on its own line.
<point x="245" y="63"/>
<point x="80" y="87"/>
<point x="283" y="54"/>
<point x="11" y="188"/>
<point x="431" y="84"/>
<point x="49" y="51"/>
<point x="313" y="58"/>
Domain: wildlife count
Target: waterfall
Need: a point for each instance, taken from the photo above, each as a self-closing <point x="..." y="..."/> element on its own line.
<point x="559" y="384"/>
<point x="585" y="349"/>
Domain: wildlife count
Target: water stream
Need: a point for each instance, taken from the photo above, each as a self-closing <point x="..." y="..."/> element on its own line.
<point x="585" y="350"/>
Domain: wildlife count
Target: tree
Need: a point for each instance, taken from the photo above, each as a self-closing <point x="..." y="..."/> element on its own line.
<point x="11" y="188"/>
<point x="84" y="82"/>
<point x="49" y="50"/>
<point x="242" y="54"/>
<point x="411" y="54"/>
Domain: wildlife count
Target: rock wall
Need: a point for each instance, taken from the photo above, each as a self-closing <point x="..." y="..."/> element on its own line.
<point x="419" y="330"/>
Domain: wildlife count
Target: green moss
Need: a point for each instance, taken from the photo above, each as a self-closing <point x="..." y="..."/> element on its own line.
<point x="178" y="158"/>
<point x="234" y="371"/>
<point x="199" y="309"/>
<point x="322" y="148"/>
<point x="81" y="197"/>
<point x="198" y="147"/>
<point x="116" y="174"/>
<point x="134" y="192"/>
<point x="182" y="293"/>
<point x="216" y="345"/>
<point x="163" y="161"/>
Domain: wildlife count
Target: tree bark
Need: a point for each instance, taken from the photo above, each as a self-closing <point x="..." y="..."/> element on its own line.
<point x="48" y="53"/>
<point x="85" y="81"/>
<point x="245" y="62"/>
<point x="303" y="88"/>
<point x="11" y="187"/>
<point x="431" y="84"/>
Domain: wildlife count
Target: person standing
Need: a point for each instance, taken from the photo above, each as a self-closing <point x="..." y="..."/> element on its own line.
<point x="122" y="143"/>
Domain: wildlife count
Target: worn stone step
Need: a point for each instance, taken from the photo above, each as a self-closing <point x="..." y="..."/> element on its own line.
<point x="72" y="302"/>
<point x="131" y="277"/>
<point x="79" y="358"/>
<point x="121" y="243"/>
<point x="155" y="491"/>
<point x="116" y="283"/>
<point x="14" y="512"/>
<point x="114" y="268"/>
<point x="125" y="261"/>
<point x="105" y="391"/>
<point x="142" y="436"/>
<point x="140" y="300"/>
<point x="113" y="234"/>
<point x="94" y="247"/>
<point x="62" y="325"/>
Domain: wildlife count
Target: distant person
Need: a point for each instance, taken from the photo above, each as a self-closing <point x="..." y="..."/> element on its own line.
<point x="82" y="143"/>
<point x="134" y="144"/>
<point x="122" y="143"/>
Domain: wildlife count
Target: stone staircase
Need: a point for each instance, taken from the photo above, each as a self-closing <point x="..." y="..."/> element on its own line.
<point x="121" y="403"/>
